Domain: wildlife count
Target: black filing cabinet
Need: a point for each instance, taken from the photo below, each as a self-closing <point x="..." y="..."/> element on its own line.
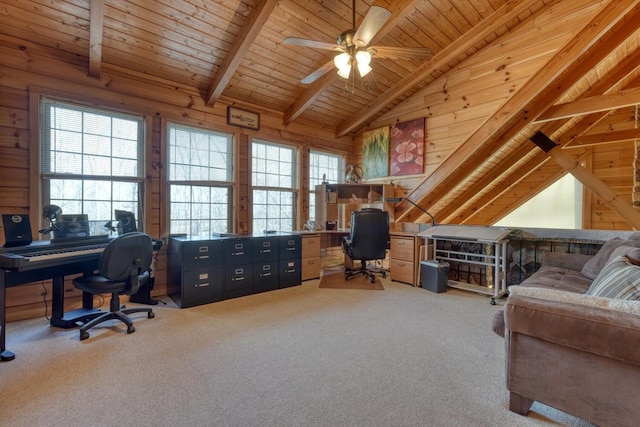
<point x="265" y="263"/>
<point x="290" y="265"/>
<point x="238" y="258"/>
<point x="203" y="270"/>
<point x="194" y="271"/>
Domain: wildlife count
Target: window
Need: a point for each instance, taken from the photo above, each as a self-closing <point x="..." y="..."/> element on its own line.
<point x="322" y="166"/>
<point x="92" y="161"/>
<point x="273" y="177"/>
<point x="200" y="180"/>
<point x="557" y="206"/>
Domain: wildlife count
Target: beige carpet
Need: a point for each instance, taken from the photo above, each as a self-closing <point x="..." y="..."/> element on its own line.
<point x="300" y="356"/>
<point x="335" y="279"/>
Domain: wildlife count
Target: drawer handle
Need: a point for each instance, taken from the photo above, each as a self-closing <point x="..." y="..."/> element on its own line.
<point x="199" y="285"/>
<point x="401" y="242"/>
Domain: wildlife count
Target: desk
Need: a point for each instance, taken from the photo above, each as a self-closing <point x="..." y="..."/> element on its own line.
<point x="480" y="250"/>
<point x="323" y="249"/>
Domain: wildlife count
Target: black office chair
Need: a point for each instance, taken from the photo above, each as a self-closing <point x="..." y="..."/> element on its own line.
<point x="368" y="240"/>
<point x="124" y="266"/>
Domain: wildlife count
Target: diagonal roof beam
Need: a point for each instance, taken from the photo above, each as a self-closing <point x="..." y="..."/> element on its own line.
<point x="505" y="14"/>
<point x="234" y="57"/>
<point x="614" y="24"/>
<point x="399" y="10"/>
<point x="506" y="180"/>
<point x="96" y="25"/>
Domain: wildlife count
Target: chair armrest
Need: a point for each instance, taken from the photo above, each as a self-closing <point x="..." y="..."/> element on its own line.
<point x="563" y="260"/>
<point x="601" y="331"/>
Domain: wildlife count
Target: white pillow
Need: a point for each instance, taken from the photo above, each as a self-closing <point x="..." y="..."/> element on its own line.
<point x="624" y="306"/>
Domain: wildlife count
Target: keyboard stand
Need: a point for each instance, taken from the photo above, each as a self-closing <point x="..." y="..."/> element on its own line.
<point x="71" y="318"/>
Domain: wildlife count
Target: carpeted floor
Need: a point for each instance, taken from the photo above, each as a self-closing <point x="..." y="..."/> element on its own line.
<point x="335" y="279"/>
<point x="301" y="356"/>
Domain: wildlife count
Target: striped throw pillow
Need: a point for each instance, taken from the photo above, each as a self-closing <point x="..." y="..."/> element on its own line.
<point x="619" y="278"/>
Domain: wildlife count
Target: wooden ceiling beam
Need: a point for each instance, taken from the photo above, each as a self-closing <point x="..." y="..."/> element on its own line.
<point x="399" y="10"/>
<point x="589" y="180"/>
<point x="234" y="57"/>
<point x="96" y="25"/>
<point x="605" y="138"/>
<point x="594" y="104"/>
<point x="614" y="24"/>
<point x="504" y="15"/>
<point x="503" y="175"/>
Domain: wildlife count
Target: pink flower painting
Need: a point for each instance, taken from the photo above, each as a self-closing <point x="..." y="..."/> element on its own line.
<point x="407" y="148"/>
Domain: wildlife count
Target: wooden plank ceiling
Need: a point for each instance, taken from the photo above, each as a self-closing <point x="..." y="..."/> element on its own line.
<point x="232" y="51"/>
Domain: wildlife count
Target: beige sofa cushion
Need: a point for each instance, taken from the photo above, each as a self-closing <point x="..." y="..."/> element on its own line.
<point x="620" y="278"/>
<point x="624" y="306"/>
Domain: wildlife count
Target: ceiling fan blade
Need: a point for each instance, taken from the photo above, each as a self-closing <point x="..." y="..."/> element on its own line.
<point x="390" y="52"/>
<point x="318" y="73"/>
<point x="371" y="24"/>
<point x="312" y="43"/>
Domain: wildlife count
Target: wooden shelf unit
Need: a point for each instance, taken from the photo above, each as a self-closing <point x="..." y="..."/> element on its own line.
<point x="335" y="202"/>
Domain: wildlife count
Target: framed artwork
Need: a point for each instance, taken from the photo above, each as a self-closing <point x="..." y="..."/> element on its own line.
<point x="407" y="148"/>
<point x="375" y="153"/>
<point x="243" y="118"/>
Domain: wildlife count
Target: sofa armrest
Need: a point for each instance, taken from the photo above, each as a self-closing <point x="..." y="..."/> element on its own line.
<point x="564" y="260"/>
<point x="601" y="331"/>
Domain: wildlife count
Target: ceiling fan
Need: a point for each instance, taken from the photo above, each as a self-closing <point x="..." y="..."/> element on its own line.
<point x="354" y="48"/>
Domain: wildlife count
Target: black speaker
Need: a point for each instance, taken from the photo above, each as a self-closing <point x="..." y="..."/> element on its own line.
<point x="17" y="230"/>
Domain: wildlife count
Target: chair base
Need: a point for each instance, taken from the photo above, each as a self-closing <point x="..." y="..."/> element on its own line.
<point x="349" y="273"/>
<point x="115" y="313"/>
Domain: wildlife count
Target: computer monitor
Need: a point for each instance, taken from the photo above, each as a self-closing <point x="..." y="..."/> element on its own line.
<point x="126" y="222"/>
<point x="72" y="225"/>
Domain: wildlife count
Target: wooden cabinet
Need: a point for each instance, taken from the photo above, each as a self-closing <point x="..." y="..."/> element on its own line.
<point x="335" y="202"/>
<point x="311" y="256"/>
<point x="405" y="250"/>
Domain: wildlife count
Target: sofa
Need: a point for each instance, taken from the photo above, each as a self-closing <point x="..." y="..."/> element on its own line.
<point x="572" y="335"/>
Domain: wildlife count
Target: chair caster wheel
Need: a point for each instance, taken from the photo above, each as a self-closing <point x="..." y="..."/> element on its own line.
<point x="151" y="315"/>
<point x="131" y="329"/>
<point x="84" y="335"/>
<point x="493" y="301"/>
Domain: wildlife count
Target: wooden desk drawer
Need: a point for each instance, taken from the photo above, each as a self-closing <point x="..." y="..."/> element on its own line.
<point x="310" y="268"/>
<point x="402" y="271"/>
<point x="310" y="246"/>
<point x="402" y="248"/>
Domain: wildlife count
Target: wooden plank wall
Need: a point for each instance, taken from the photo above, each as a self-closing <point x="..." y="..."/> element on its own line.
<point x="456" y="104"/>
<point x="24" y="78"/>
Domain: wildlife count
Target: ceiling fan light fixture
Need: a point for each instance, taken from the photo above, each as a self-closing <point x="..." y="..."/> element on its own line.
<point x="344" y="71"/>
<point x="364" y="69"/>
<point x="343" y="64"/>
<point x="363" y="57"/>
<point x="342" y="60"/>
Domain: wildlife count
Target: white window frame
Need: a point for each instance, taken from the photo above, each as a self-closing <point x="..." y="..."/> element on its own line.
<point x="273" y="179"/>
<point x="80" y="153"/>
<point x="199" y="182"/>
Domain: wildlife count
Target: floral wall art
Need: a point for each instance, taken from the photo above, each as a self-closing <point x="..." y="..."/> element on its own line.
<point x="375" y="153"/>
<point x="407" y="148"/>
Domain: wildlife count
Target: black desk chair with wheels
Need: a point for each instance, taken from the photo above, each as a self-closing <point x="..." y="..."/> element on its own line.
<point x="368" y="240"/>
<point x="124" y="266"/>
